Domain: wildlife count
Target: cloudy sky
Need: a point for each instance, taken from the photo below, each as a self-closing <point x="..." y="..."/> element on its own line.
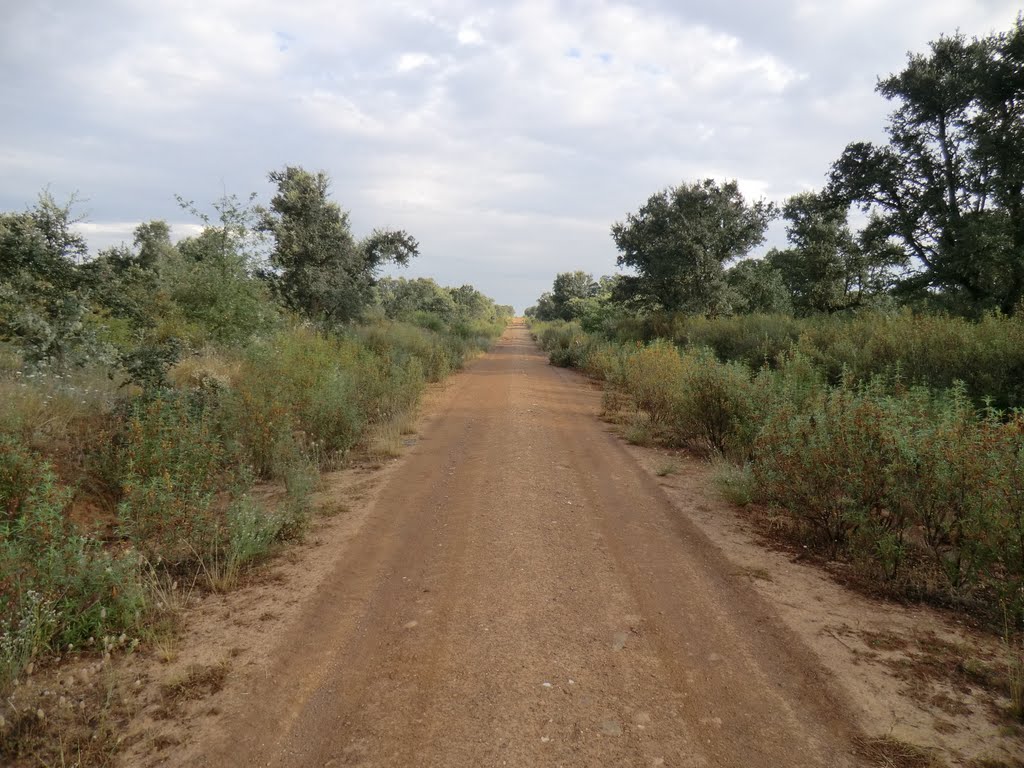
<point x="507" y="138"/>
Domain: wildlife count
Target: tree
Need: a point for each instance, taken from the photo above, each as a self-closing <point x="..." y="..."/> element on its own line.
<point x="680" y="242"/>
<point x="757" y="286"/>
<point x="470" y="304"/>
<point x="318" y="268"/>
<point x="402" y="299"/>
<point x="42" y="299"/>
<point x="569" y="287"/>
<point x="544" y="309"/>
<point x="212" y="277"/>
<point x="153" y="243"/>
<point x="215" y="292"/>
<point x="828" y="267"/>
<point x="949" y="185"/>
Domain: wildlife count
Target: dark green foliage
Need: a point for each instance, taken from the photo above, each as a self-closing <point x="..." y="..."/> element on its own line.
<point x="569" y="289"/>
<point x="576" y="296"/>
<point x="828" y="268"/>
<point x="680" y="242"/>
<point x="42" y="305"/>
<point x="757" y="285"/>
<point x="320" y="270"/>
<point x="949" y="185"/>
<point x="402" y="299"/>
<point x="211" y="288"/>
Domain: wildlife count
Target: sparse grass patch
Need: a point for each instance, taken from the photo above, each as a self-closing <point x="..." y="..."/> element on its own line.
<point x="79" y="725"/>
<point x="386" y="439"/>
<point x="638" y="432"/>
<point x="667" y="468"/>
<point x="197" y="682"/>
<point x="1015" y="680"/>
<point x="734" y="482"/>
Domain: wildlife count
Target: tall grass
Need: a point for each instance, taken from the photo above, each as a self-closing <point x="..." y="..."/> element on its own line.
<point x="987" y="356"/>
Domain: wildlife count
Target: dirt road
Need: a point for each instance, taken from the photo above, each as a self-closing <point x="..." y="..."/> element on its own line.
<point x="523" y="594"/>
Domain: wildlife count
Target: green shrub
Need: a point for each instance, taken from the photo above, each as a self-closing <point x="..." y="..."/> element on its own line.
<point x="715" y="405"/>
<point x="654" y="377"/>
<point x="297" y="394"/>
<point x="938" y="479"/>
<point x="751" y="339"/>
<point x="174" y="465"/>
<point x="607" y="361"/>
<point x="399" y="343"/>
<point x="251" y="531"/>
<point x="695" y="398"/>
<point x="734" y="481"/>
<point x="57" y="585"/>
<point x="565" y="342"/>
<point x="826" y="464"/>
<point x="929" y="350"/>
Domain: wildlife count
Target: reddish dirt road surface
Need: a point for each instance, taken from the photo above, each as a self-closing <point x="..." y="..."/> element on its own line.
<point x="523" y="594"/>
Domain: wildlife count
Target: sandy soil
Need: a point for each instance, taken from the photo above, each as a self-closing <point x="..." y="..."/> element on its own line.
<point x="520" y="589"/>
<point x="911" y="673"/>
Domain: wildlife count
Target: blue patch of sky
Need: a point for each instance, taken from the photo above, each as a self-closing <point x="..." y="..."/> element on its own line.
<point x="574" y="53"/>
<point x="284" y="40"/>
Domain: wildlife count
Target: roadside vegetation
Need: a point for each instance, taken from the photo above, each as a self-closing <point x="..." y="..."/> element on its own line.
<point x="863" y="386"/>
<point x="150" y="395"/>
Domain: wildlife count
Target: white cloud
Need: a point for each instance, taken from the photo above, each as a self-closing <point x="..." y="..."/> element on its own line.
<point x="506" y="137"/>
<point x="408" y="62"/>
<point x="468" y="34"/>
<point x="106" y="234"/>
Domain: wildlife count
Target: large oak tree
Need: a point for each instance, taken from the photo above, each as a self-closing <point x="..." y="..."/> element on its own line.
<point x="681" y="240"/>
<point x="949" y="184"/>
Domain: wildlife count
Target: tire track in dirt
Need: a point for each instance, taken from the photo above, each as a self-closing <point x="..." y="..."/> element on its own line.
<point x="522" y="593"/>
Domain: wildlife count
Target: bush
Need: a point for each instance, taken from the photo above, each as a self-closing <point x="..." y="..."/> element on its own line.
<point x="883" y="474"/>
<point x="715" y="405"/>
<point x="654" y="378"/>
<point x="564" y="342"/>
<point x="174" y="465"/>
<point x="57" y="585"/>
<point x="295" y="397"/>
<point x="697" y="399"/>
<point x="826" y="465"/>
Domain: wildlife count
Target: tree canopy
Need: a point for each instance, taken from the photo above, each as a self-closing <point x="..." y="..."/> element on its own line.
<point x="680" y="242"/>
<point x="319" y="268"/>
<point x="949" y="184"/>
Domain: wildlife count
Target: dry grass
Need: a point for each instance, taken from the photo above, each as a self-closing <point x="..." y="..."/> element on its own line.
<point x="639" y="433"/>
<point x="668" y="468"/>
<point x="735" y="483"/>
<point x="387" y="439"/>
<point x="887" y="752"/>
<point x="203" y="369"/>
<point x="198" y="682"/>
<point x="74" y="722"/>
